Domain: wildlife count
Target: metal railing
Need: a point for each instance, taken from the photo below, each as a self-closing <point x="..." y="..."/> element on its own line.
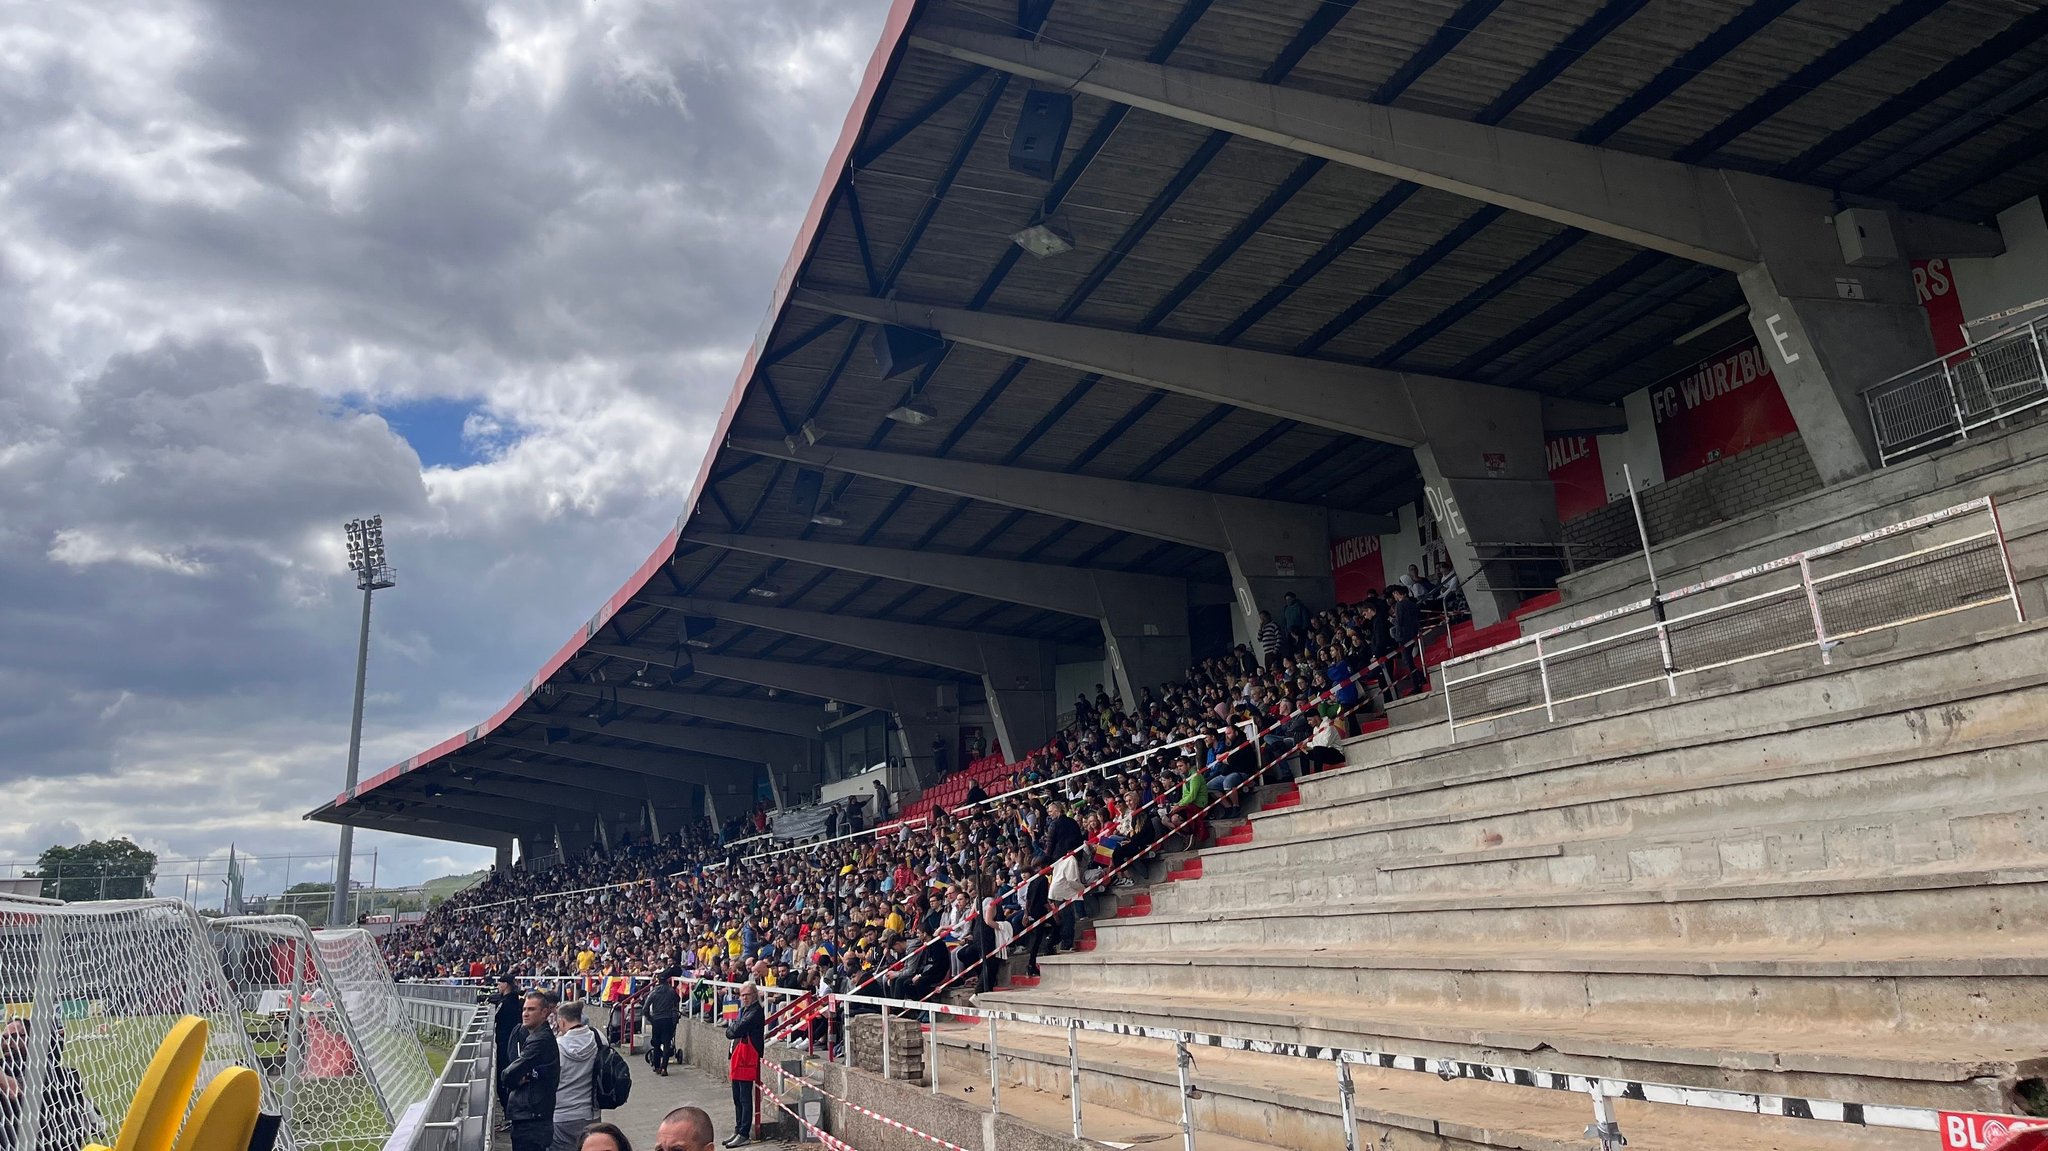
<point x="1950" y="397"/>
<point x="1934" y="565"/>
<point x="1600" y="1091"/>
<point x="460" y="1107"/>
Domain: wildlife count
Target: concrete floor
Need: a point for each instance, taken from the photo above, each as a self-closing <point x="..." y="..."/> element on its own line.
<point x="654" y="1096"/>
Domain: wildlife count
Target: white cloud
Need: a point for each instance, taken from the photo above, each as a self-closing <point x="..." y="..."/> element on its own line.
<point x="228" y="227"/>
<point x="80" y="547"/>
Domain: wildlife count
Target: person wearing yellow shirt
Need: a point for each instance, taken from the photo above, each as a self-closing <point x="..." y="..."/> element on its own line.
<point x="584" y="959"/>
<point x="893" y="924"/>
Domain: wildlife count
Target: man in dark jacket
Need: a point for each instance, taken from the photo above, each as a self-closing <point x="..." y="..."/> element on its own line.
<point x="1062" y="834"/>
<point x="1406" y="627"/>
<point x="507" y="999"/>
<point x="664" y="1007"/>
<point x="531" y="1077"/>
<point x="748" y="1032"/>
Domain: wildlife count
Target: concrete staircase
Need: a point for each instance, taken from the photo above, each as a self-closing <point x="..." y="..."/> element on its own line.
<point x="1827" y="882"/>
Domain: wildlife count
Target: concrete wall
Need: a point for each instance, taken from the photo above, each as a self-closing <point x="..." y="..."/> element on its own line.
<point x="2020" y="276"/>
<point x="1723" y="490"/>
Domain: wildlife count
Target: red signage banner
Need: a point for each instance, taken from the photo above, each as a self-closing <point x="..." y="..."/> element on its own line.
<point x="1575" y="471"/>
<point x="1358" y="567"/>
<point x="1935" y="281"/>
<point x="1970" y="1131"/>
<point x="1720" y="407"/>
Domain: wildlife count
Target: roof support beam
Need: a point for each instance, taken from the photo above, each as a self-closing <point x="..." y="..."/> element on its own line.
<point x="797" y="719"/>
<point x="927" y="710"/>
<point x="859" y="688"/>
<point x="1830" y="327"/>
<point x="1703" y="214"/>
<point x="674" y="767"/>
<point x="753" y="746"/>
<point x="1016" y="673"/>
<point x="1158" y="511"/>
<point x="448" y="831"/>
<point x="1373" y="403"/>
<point x="623" y="784"/>
<point x="1144" y="618"/>
<point x="1272" y="549"/>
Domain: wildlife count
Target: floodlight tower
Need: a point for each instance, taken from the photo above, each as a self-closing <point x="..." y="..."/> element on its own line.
<point x="366" y="559"/>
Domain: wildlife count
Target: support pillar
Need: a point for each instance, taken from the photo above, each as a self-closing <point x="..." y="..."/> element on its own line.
<point x="1825" y="349"/>
<point x="1488" y="483"/>
<point x="1270" y="555"/>
<point x="1022" y="701"/>
<point x="1144" y="634"/>
<point x="575" y="841"/>
<point x="503" y="862"/>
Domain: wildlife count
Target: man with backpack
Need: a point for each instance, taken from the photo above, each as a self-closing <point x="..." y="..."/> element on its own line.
<point x="594" y="1077"/>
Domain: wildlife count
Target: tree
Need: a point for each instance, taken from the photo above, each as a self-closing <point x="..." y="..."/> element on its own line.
<point x="309" y="901"/>
<point x="102" y="869"/>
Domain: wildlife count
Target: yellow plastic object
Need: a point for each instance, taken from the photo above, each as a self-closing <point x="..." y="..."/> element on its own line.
<point x="225" y="1116"/>
<point x="159" y="1103"/>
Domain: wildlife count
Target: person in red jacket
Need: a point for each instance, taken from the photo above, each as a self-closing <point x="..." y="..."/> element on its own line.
<point x="748" y="1032"/>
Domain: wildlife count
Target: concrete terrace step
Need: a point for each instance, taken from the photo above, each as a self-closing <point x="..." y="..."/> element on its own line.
<point x="1956" y="667"/>
<point x="1906" y="1069"/>
<point x="1810" y="912"/>
<point x="1952" y="995"/>
<point x="1293" y="1103"/>
<point x="1985" y="805"/>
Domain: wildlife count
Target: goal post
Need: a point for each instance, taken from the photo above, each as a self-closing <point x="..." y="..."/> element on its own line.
<point x="90" y="990"/>
<point x="333" y="1039"/>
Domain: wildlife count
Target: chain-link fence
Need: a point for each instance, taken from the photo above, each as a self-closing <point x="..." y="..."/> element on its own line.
<point x="1936" y="565"/>
<point x="90" y="990"/>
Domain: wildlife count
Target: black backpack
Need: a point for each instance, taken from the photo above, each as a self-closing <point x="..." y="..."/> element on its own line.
<point x="611" y="1081"/>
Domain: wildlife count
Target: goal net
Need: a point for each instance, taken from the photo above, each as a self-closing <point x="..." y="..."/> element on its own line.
<point x="330" y="1034"/>
<point x="378" y="1017"/>
<point x="90" y="989"/>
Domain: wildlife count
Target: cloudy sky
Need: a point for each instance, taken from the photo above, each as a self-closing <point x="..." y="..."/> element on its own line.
<point x="487" y="268"/>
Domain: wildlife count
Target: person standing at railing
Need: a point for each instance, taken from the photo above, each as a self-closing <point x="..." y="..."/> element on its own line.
<point x="507" y="998"/>
<point x="531" y="1077"/>
<point x="664" y="1007"/>
<point x="748" y="1032"/>
<point x="576" y="1046"/>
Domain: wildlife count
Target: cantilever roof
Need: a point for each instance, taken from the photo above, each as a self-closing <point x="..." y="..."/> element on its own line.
<point x="1199" y="234"/>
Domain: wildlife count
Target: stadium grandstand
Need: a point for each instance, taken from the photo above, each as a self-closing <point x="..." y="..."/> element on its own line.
<point x="1497" y="536"/>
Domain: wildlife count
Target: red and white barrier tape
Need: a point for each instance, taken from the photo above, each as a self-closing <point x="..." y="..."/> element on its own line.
<point x="825" y="1137"/>
<point x="877" y="1116"/>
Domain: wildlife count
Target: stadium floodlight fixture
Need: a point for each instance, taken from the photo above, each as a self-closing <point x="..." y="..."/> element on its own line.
<point x="1043" y="239"/>
<point x="366" y="555"/>
<point x="828" y="514"/>
<point x="366" y="558"/>
<point x="764" y="591"/>
<point x="914" y="410"/>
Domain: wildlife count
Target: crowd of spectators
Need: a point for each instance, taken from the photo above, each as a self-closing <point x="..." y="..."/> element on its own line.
<point x="915" y="905"/>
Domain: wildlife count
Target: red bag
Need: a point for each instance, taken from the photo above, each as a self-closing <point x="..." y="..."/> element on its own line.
<point x="746" y="1063"/>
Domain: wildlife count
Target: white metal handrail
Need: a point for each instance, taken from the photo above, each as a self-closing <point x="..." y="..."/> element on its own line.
<point x="1953" y="395"/>
<point x="1843" y="590"/>
<point x="1600" y="1089"/>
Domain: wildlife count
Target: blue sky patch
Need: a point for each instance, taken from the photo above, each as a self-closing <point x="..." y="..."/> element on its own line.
<point x="434" y="429"/>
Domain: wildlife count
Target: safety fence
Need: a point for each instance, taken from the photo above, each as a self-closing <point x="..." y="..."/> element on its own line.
<point x="1935" y="565"/>
<point x="461" y="1104"/>
<point x="1600" y="1091"/>
<point x="1950" y="397"/>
